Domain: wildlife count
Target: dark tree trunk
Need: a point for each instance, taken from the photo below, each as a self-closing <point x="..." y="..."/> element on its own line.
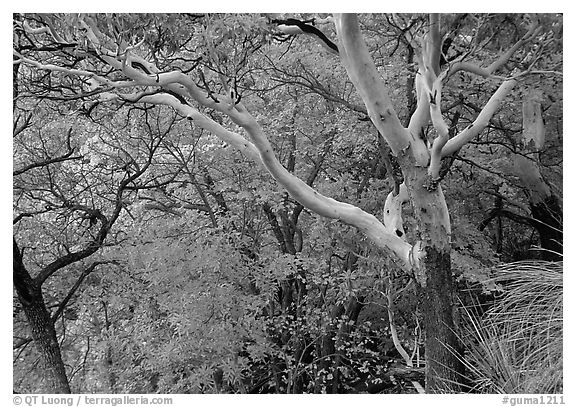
<point x="548" y="217"/>
<point x="353" y="308"/>
<point x="42" y="328"/>
<point x="327" y="350"/>
<point x="330" y="356"/>
<point x="442" y="346"/>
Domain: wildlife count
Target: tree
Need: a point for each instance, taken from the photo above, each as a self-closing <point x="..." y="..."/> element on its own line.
<point x="146" y="71"/>
<point x="544" y="203"/>
<point x="67" y="199"/>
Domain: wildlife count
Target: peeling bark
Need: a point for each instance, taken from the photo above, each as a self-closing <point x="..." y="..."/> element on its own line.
<point x="392" y="215"/>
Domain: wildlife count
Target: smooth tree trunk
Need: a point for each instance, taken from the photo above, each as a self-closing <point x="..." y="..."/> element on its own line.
<point x="53" y="372"/>
<point x="545" y="207"/>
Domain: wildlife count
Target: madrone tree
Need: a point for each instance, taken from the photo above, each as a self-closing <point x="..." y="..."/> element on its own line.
<point x="119" y="66"/>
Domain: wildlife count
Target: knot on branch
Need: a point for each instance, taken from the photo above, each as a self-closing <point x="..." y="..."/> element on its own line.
<point x="433" y="97"/>
<point x="431" y="183"/>
<point x="414" y="258"/>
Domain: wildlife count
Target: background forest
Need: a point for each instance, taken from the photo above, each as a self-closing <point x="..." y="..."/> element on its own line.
<point x="155" y="253"/>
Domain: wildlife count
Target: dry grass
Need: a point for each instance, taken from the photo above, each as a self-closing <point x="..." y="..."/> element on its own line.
<point x="516" y="347"/>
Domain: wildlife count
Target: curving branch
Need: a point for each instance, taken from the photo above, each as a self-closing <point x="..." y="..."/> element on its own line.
<point x="483" y="119"/>
<point x="64" y="157"/>
<point x="366" y="79"/>
<point x="441" y="128"/>
<point x="325" y="206"/>
<point x="261" y="151"/>
<point x="291" y="26"/>
<point x="488" y="72"/>
<point x="428" y="55"/>
<point x="421" y="116"/>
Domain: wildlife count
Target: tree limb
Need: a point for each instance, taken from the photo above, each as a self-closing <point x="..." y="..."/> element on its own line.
<point x="482" y="120"/>
<point x="75" y="288"/>
<point x="441" y="129"/>
<point x="525" y="220"/>
<point x="365" y="77"/>
<point x="498" y="63"/>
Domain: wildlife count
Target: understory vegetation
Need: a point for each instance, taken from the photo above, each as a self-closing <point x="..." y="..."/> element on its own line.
<point x="516" y="346"/>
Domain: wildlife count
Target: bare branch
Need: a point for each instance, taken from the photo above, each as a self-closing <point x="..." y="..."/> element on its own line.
<point x="470" y="132"/>
<point x="65" y="157"/>
<point x="234" y="139"/>
<point x="73" y="72"/>
<point x="441" y="129"/>
<point x="76" y="286"/>
<point x="365" y="77"/>
<point x="502" y="59"/>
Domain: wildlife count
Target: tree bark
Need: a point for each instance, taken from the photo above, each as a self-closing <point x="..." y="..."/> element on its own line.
<point x="53" y="372"/>
<point x="435" y="288"/>
<point x="444" y="369"/>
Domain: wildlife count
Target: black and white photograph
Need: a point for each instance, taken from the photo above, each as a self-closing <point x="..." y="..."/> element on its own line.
<point x="287" y="203"/>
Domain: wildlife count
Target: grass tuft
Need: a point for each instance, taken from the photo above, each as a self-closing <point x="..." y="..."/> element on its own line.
<point x="516" y="346"/>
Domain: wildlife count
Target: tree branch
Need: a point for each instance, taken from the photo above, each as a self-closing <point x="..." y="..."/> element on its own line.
<point x="441" y="129"/>
<point x="365" y="77"/>
<point x="62" y="158"/>
<point x="502" y="59"/>
<point x="75" y="288"/>
<point x="525" y="220"/>
<point x="483" y="119"/>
